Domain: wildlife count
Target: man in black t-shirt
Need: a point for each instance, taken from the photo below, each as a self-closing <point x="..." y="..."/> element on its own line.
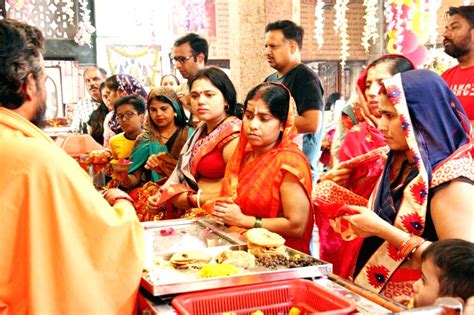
<point x="283" y="42"/>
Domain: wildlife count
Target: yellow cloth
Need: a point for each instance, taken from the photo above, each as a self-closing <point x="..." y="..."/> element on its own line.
<point x="121" y="147"/>
<point x="63" y="249"/>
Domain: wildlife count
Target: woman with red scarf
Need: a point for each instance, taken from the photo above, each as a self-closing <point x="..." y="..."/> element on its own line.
<point x="425" y="191"/>
<point x="268" y="180"/>
<point x="361" y="157"/>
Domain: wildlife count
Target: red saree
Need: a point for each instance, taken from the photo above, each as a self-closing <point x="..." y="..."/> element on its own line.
<point x="255" y="187"/>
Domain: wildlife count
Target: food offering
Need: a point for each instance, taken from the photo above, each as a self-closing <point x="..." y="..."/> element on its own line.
<point x="239" y="258"/>
<point x="191" y="259"/>
<point x="120" y="165"/>
<point x="270" y="252"/>
<point x="218" y="270"/>
<point x="263" y="258"/>
<point x="99" y="156"/>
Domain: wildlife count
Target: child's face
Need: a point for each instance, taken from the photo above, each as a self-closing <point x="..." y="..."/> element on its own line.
<point x="427" y="287"/>
<point x="129" y="119"/>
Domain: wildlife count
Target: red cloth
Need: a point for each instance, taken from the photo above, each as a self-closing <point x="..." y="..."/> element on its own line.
<point x="330" y="200"/>
<point x="461" y="82"/>
<point x="212" y="165"/>
<point x="361" y="139"/>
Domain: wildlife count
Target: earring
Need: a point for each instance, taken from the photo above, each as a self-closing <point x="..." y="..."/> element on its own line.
<point x="175" y="114"/>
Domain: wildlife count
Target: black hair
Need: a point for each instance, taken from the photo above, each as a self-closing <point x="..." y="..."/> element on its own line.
<point x="112" y="83"/>
<point x="198" y="44"/>
<point x="397" y="63"/>
<point x="290" y="30"/>
<point x="466" y="11"/>
<point x="103" y="72"/>
<point x="136" y="101"/>
<point x="332" y="98"/>
<point x="21" y="49"/>
<point x="97" y="117"/>
<point x="164" y="99"/>
<point x="170" y="75"/>
<point x="221" y="81"/>
<point x="455" y="260"/>
<point x="276" y="97"/>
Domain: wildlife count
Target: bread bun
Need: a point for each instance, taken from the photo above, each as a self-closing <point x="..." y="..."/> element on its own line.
<point x="264" y="237"/>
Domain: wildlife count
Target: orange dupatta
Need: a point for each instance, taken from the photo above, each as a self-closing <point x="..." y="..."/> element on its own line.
<point x="255" y="187"/>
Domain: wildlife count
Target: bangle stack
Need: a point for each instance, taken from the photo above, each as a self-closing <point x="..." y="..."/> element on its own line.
<point x="409" y="246"/>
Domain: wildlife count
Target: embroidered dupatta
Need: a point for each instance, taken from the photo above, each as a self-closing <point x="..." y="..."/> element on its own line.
<point x="255" y="187"/>
<point x="183" y="177"/>
<point x="438" y="135"/>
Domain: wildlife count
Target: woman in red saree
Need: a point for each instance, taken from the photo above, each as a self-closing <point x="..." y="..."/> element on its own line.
<point x="268" y="180"/>
<point x="201" y="164"/>
<point x="361" y="157"/>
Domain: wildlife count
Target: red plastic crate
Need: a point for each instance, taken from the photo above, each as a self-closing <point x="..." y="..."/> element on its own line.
<point x="270" y="298"/>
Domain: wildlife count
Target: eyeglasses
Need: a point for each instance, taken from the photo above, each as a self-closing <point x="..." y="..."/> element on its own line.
<point x="127" y="115"/>
<point x="182" y="60"/>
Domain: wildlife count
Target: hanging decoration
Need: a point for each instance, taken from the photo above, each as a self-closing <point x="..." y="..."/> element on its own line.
<point x="370" y="32"/>
<point x="319" y="23"/>
<point x="195" y="20"/>
<point x="20" y="10"/>
<point x="340" y="26"/>
<point x="438" y="61"/>
<point x="410" y="25"/>
<point x="142" y="62"/>
<point x="86" y="29"/>
<point x="68" y="9"/>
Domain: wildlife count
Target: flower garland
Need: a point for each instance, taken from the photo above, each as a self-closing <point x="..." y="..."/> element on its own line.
<point x="86" y="29"/>
<point x="340" y="26"/>
<point x="195" y="20"/>
<point x="319" y="23"/>
<point x="370" y="26"/>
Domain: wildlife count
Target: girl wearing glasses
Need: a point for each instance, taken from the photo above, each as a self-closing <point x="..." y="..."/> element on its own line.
<point x="201" y="165"/>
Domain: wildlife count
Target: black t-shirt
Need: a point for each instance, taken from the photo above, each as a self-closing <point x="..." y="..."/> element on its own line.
<point x="304" y="86"/>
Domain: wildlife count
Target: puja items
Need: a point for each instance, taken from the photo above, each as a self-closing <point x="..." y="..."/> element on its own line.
<point x="182" y="263"/>
<point x="120" y="169"/>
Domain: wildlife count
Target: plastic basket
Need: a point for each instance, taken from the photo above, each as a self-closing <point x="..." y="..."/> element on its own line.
<point x="270" y="298"/>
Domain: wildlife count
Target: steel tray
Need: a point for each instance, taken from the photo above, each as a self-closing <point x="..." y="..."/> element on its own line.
<point x="163" y="238"/>
<point x="172" y="281"/>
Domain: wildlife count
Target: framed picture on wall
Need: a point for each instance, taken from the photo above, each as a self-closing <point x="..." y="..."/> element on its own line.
<point x="54" y="101"/>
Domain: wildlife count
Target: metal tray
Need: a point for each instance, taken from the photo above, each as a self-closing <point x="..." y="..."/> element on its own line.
<point x="172" y="281"/>
<point x="185" y="234"/>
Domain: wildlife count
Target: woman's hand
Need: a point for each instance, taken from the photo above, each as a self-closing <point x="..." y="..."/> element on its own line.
<point x="338" y="175"/>
<point x="365" y="222"/>
<point x="152" y="202"/>
<point x="111" y="194"/>
<point x="162" y="163"/>
<point x="229" y="213"/>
